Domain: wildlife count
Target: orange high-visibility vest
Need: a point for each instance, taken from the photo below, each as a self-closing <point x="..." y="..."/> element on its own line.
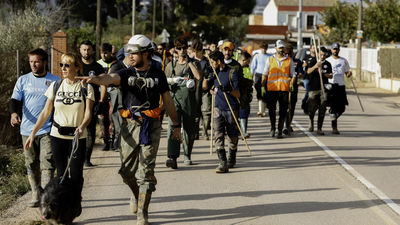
<point x="278" y="77"/>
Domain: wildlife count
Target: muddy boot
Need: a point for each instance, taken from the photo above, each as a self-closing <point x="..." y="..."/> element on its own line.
<point x="133" y="202"/>
<point x="311" y="123"/>
<point x="334" y="127"/>
<point x="47" y="175"/>
<point x="143" y="208"/>
<point x="281" y="123"/>
<point x="34" y="182"/>
<point x="320" y="123"/>
<point x="232" y="158"/>
<point x="223" y="164"/>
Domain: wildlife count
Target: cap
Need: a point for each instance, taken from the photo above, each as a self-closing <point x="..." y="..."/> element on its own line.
<point x="220" y="43"/>
<point x="280" y="44"/>
<point x="138" y="43"/>
<point x="335" y="45"/>
<point x="229" y="45"/>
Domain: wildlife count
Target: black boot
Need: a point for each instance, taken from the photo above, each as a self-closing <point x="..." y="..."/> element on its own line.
<point x="272" y="118"/>
<point x="311" y="123"/>
<point x="281" y="123"/>
<point x="232" y="158"/>
<point x="320" y="123"/>
<point x="334" y="127"/>
<point x="223" y="165"/>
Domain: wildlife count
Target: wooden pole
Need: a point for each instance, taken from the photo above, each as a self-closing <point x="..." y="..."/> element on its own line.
<point x="212" y="123"/>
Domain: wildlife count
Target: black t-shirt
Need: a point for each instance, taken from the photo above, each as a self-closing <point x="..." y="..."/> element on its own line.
<point x="136" y="96"/>
<point x="315" y="84"/>
<point x="93" y="69"/>
<point x="308" y="60"/>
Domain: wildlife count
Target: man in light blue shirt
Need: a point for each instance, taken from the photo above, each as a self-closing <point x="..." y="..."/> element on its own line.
<point x="28" y="95"/>
<point x="257" y="68"/>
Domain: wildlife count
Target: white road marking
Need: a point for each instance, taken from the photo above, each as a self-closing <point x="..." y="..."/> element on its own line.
<point x="352" y="171"/>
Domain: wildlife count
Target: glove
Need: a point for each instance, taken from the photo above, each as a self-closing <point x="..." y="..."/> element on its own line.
<point x="263" y="92"/>
<point x="132" y="81"/>
<point x="226" y="89"/>
<point x="149" y="82"/>
<point x="190" y="83"/>
<point x="291" y="88"/>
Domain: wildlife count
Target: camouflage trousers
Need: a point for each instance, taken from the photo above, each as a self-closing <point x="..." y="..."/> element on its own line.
<point x="137" y="160"/>
<point x="39" y="156"/>
<point x="224" y="121"/>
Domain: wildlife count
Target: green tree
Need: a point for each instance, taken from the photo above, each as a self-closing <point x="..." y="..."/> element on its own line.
<point x="382" y="20"/>
<point x="342" y="21"/>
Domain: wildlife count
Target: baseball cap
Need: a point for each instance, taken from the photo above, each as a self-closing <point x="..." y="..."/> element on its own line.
<point x="229" y="45"/>
<point x="280" y="44"/>
<point x="335" y="45"/>
<point x="220" y="43"/>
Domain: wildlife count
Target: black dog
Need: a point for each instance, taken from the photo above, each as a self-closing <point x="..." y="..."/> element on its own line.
<point x="60" y="203"/>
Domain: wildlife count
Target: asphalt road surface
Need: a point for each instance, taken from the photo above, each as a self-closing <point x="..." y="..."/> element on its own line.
<point x="349" y="178"/>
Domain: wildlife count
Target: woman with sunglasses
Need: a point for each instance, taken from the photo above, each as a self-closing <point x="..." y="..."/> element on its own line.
<point x="72" y="106"/>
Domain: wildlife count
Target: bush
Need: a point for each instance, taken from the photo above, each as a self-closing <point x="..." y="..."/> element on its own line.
<point x="13" y="180"/>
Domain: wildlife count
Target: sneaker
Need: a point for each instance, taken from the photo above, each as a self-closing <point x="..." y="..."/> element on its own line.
<point x="171" y="162"/>
<point x="187" y="161"/>
<point x="285" y="131"/>
<point x="320" y="132"/>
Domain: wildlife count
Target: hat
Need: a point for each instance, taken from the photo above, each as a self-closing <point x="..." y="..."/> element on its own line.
<point x="220" y="43"/>
<point x="280" y="44"/>
<point x="335" y="45"/>
<point x="229" y="45"/>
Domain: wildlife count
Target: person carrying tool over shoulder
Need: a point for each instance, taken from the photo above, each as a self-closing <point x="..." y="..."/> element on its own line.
<point x="142" y="85"/>
<point x="278" y="75"/>
<point x="223" y="118"/>
<point x="181" y="74"/>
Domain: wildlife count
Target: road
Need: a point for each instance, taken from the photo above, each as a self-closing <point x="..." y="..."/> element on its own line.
<point x="349" y="178"/>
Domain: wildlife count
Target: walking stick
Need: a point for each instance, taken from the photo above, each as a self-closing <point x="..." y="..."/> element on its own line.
<point x="358" y="97"/>
<point x="319" y="70"/>
<point x="212" y="124"/>
<point x="230" y="107"/>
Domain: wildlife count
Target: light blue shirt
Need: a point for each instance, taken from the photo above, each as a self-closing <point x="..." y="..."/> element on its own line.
<point x="258" y="63"/>
<point x="30" y="90"/>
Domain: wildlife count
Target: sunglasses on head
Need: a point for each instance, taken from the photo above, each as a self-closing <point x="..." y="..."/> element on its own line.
<point x="181" y="48"/>
<point x="66" y="65"/>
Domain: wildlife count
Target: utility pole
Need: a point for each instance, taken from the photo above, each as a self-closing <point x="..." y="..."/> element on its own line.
<point x="98" y="29"/>
<point x="300" y="26"/>
<point x="359" y="39"/>
<point x="133" y="16"/>
<point x="154" y="20"/>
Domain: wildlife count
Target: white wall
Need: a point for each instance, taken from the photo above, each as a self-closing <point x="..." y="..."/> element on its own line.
<point x="270" y="14"/>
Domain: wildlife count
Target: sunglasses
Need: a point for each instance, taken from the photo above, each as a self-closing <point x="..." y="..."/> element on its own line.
<point x="66" y="65"/>
<point x="182" y="48"/>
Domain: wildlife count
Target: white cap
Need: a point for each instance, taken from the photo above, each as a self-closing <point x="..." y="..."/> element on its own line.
<point x="221" y="42"/>
<point x="280" y="44"/>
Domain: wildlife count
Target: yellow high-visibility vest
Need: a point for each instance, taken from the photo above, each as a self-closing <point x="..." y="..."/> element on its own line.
<point x="278" y="77"/>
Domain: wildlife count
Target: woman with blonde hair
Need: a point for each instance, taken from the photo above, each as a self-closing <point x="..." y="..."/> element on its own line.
<point x="72" y="106"/>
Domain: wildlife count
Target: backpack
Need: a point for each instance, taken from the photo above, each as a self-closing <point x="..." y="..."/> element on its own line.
<point x="245" y="87"/>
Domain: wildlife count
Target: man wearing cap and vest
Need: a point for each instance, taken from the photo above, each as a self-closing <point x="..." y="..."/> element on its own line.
<point x="142" y="85"/>
<point x="278" y="75"/>
<point x="181" y="74"/>
<point x="227" y="50"/>
<point x="338" y="97"/>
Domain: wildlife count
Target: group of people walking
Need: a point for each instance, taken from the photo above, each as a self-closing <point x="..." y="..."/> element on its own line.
<point x="194" y="84"/>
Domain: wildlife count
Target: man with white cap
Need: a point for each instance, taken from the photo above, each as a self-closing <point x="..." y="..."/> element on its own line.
<point x="278" y="77"/>
<point x="338" y="97"/>
<point x="142" y="86"/>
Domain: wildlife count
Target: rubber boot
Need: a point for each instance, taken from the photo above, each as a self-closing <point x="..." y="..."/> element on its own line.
<point x="281" y="123"/>
<point x="320" y="123"/>
<point x="232" y="158"/>
<point x="133" y="202"/>
<point x="311" y="123"/>
<point x="34" y="182"/>
<point x="143" y="208"/>
<point x="334" y="127"/>
<point x="272" y="118"/>
<point x="223" y="164"/>
<point x="261" y="108"/>
<point x="46" y="176"/>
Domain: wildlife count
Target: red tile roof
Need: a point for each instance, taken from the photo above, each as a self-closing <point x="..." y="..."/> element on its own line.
<point x="260" y="29"/>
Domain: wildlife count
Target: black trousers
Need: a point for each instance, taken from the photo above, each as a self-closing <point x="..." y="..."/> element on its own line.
<point x="272" y="98"/>
<point x="61" y="149"/>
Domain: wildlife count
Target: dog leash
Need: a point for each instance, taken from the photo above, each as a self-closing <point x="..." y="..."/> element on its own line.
<point x="75" y="145"/>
